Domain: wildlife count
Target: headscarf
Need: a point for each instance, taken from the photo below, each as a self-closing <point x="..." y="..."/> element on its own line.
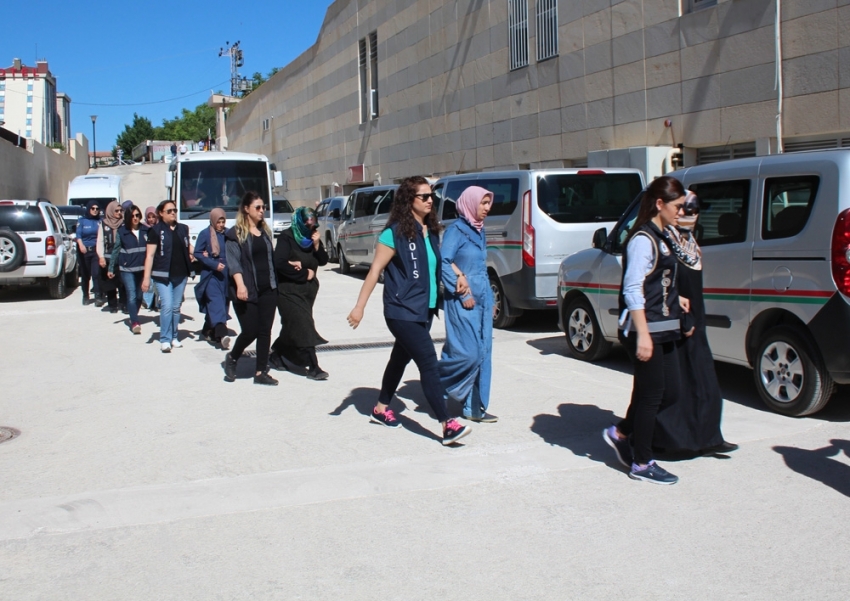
<point x="301" y="231"/>
<point x="468" y="203"/>
<point x="691" y="207"/>
<point x="150" y="210"/>
<point x="89" y="205"/>
<point x="126" y="204"/>
<point x="682" y="237"/>
<point x="109" y="217"/>
<point x="215" y="215"/>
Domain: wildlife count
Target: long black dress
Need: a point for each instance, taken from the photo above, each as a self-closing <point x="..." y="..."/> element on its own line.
<point x="693" y="422"/>
<point x="295" y="297"/>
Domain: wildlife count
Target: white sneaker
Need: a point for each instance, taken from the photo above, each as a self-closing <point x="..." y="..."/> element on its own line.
<point x="176" y="344"/>
<point x="225" y="343"/>
<point x="165" y="347"/>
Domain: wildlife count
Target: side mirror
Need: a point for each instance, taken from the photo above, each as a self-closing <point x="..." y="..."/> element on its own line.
<point x="600" y="237"/>
<point x="335" y="214"/>
<point x="169" y="179"/>
<point x="278" y="179"/>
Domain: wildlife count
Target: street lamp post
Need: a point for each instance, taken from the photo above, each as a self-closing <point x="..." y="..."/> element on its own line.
<point x="94" y="140"/>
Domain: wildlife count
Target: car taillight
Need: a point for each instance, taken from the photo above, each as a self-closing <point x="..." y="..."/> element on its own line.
<point x="50" y="246"/>
<point x="527" y="231"/>
<point x="841" y="252"/>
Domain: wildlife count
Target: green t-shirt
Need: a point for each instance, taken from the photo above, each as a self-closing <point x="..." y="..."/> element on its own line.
<point x="386" y="238"/>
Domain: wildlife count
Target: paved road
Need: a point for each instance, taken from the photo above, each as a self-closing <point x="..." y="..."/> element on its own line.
<point x="139" y="475"/>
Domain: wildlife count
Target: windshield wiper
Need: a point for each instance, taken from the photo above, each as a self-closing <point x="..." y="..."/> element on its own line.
<point x="197" y="214"/>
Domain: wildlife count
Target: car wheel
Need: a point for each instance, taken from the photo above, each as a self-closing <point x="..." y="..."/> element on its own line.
<point x="790" y="375"/>
<point x="584" y="337"/>
<point x="501" y="319"/>
<point x="56" y="286"/>
<point x="344" y="266"/>
<point x="13" y="252"/>
<point x="332" y="256"/>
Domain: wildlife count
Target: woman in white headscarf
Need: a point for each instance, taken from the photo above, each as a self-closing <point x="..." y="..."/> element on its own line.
<point x="465" y="364"/>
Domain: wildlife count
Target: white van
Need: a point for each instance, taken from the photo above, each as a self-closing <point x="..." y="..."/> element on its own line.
<point x="363" y="219"/>
<point x="538" y="218"/>
<point x="101" y="188"/>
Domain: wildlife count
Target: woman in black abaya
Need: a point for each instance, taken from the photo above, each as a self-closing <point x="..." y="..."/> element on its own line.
<point x="692" y="423"/>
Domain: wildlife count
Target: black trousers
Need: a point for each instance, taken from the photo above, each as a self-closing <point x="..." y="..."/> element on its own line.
<point x="413" y="341"/>
<point x="89" y="271"/>
<point x="655" y="381"/>
<point x="256" y="320"/>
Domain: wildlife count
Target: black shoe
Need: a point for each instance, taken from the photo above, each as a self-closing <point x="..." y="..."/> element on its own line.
<point x="275" y="362"/>
<point x="113" y="309"/>
<point x="99" y="301"/>
<point x="387" y="418"/>
<point x="265" y="379"/>
<point x="621" y="447"/>
<point x="317" y="373"/>
<point x="653" y="473"/>
<point x="454" y="432"/>
<point x="229" y="368"/>
<point x="723" y="447"/>
<point x="484" y="418"/>
<point x="86" y="300"/>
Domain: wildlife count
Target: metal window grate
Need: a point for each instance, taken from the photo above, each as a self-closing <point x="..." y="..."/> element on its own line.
<point x="373" y="45"/>
<point x="363" y="59"/>
<point x="363" y="52"/>
<point x="373" y="76"/>
<point x="518" y="32"/>
<point x="823" y="144"/>
<point x="547" y="29"/>
<point x="724" y="153"/>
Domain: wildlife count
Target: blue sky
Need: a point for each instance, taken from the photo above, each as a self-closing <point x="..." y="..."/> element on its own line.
<point x="129" y="53"/>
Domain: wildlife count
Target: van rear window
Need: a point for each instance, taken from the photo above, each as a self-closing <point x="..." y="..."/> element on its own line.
<point x="576" y="198"/>
<point x="22" y="219"/>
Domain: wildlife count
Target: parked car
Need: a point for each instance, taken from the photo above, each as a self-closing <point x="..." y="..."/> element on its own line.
<point x="538" y="218"/>
<point x="282" y="215"/>
<point x="71" y="215"/>
<point x="329" y="215"/>
<point x="363" y="219"/>
<point x="36" y="247"/>
<point x="775" y="237"/>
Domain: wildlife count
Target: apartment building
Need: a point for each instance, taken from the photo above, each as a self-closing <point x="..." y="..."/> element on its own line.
<point x="30" y="106"/>
<point x="399" y="87"/>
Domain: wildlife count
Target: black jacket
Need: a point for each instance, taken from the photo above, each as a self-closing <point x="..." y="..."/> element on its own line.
<point x="239" y="260"/>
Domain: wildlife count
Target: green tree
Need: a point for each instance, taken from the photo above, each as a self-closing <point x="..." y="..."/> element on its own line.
<point x="257" y="80"/>
<point x="190" y="125"/>
<point x="135" y="134"/>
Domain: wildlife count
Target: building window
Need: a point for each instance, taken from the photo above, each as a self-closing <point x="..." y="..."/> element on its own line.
<point x="690" y="6"/>
<point x="373" y="74"/>
<point x="29" y="110"/>
<point x="267" y="124"/>
<point x="29" y="122"/>
<point x="364" y="82"/>
<point x="518" y="32"/>
<point x="547" y="29"/>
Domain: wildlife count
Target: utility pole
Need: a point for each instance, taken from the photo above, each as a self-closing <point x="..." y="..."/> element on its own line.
<point x="237" y="82"/>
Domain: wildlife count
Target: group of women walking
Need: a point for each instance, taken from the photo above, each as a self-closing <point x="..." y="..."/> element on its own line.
<point x="676" y="400"/>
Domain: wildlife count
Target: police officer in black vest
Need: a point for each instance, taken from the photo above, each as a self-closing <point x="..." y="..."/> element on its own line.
<point x="650" y="312"/>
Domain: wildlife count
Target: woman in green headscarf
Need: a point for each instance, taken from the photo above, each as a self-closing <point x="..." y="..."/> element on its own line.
<point x="297" y="257"/>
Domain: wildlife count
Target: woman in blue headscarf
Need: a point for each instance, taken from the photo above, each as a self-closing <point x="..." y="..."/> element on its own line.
<point x="297" y="257"/>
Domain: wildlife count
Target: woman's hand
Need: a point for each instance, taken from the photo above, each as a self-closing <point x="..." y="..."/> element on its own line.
<point x="102" y="262"/>
<point x="690" y="332"/>
<point x="206" y="254"/>
<point x="296" y="265"/>
<point x="82" y="249"/>
<point x="220" y="266"/>
<point x="146" y="285"/>
<point x="468" y="303"/>
<point x="685" y="304"/>
<point x="316" y="239"/>
<point x="462" y="287"/>
<point x="110" y="275"/>
<point x="644" y="347"/>
<point x="241" y="292"/>
<point x="310" y="274"/>
<point x="355" y="317"/>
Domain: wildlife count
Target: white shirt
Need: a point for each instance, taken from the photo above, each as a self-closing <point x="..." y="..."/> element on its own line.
<point x="182" y="149"/>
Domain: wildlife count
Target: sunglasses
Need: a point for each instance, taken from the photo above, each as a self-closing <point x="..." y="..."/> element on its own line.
<point x="259" y="208"/>
<point x="170" y="211"/>
<point x="425" y="197"/>
<point x="137" y="215"/>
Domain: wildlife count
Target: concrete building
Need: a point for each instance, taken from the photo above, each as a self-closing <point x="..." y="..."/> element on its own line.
<point x="399" y="87"/>
<point x="29" y="103"/>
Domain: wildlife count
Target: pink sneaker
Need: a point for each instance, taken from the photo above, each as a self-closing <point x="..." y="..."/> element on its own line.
<point x="387" y="418"/>
<point x="454" y="432"/>
<point x="136" y="328"/>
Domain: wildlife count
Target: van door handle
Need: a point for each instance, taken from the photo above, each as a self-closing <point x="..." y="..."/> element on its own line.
<point x="504" y="234"/>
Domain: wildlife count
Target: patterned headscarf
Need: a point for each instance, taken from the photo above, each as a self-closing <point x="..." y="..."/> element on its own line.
<point x="303" y="221"/>
<point x="215" y="215"/>
<point x="468" y="203"/>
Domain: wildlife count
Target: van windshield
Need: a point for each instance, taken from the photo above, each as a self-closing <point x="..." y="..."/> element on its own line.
<point x="206" y="185"/>
<point x="81" y="202"/>
<point x="586" y="198"/>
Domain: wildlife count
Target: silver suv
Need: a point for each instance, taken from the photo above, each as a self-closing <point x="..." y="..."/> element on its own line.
<point x="35" y="246"/>
<point x="329" y="214"/>
<point x="775" y="238"/>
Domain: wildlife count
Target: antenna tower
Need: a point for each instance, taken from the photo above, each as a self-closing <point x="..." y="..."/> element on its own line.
<point x="237" y="82"/>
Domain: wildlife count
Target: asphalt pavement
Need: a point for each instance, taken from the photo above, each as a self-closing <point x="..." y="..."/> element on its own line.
<point x="139" y="475"/>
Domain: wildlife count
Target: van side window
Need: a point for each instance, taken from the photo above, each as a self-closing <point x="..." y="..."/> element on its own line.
<point x="505" y="195"/>
<point x="787" y="205"/>
<point x="723" y="212"/>
<point x="384" y="202"/>
<point x="453" y="190"/>
<point x="438" y="198"/>
<point x="587" y="196"/>
<point x="624" y="228"/>
<point x="363" y="204"/>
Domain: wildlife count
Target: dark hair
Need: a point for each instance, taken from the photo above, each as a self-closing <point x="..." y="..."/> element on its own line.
<point x="665" y="188"/>
<point x="243" y="225"/>
<point x="402" y="208"/>
<point x="128" y="216"/>
<point x="161" y="207"/>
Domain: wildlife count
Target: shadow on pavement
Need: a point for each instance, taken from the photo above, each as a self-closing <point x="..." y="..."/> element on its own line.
<point x="25" y="293"/>
<point x="818" y="464"/>
<point x="579" y="429"/>
<point x="363" y="400"/>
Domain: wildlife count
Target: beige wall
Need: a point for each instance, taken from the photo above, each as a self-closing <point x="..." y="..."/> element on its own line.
<point x="41" y="172"/>
<point x="448" y="101"/>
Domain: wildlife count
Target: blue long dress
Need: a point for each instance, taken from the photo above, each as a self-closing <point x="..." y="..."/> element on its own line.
<point x="465" y="364"/>
<point x="211" y="290"/>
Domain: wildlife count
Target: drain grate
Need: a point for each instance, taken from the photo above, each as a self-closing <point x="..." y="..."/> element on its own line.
<point x="8" y="433"/>
<point x="334" y="348"/>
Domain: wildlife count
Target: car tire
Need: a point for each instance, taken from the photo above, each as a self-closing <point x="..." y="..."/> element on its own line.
<point x="501" y="319"/>
<point x="13" y="251"/>
<point x="344" y="265"/>
<point x="790" y="374"/>
<point x="332" y="256"/>
<point x="584" y="336"/>
<point x="56" y="286"/>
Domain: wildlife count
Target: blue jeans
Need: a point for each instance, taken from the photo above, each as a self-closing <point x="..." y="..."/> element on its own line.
<point x="132" y="281"/>
<point x="170" y="301"/>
